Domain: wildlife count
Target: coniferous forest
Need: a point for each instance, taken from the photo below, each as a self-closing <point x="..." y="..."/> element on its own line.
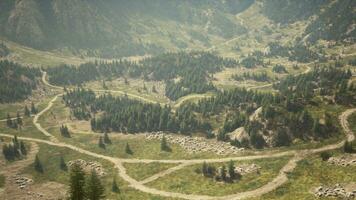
<point x="16" y="81"/>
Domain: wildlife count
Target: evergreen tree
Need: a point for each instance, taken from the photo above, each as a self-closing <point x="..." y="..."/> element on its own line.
<point x="23" y="148"/>
<point x="94" y="189"/>
<point x="257" y="141"/>
<point x="77" y="182"/>
<point x="115" y="188"/>
<point x="62" y="164"/>
<point x="106" y="138"/>
<point x="164" y="144"/>
<point x="223" y="173"/>
<point x="101" y="143"/>
<point x="348" y="147"/>
<point x="33" y="109"/>
<point x="281" y="138"/>
<point x="18" y="119"/>
<point x="9" y="121"/>
<point x="204" y="169"/>
<point x="128" y="149"/>
<point x="27" y="112"/>
<point x="231" y="170"/>
<point x="38" y="165"/>
<point x="64" y="131"/>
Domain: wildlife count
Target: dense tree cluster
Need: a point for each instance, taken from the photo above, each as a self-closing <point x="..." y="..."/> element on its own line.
<point x="259" y="77"/>
<point x="64" y="131"/>
<point x="14" y="123"/>
<point x="126" y="115"/>
<point x="190" y="69"/>
<point x="221" y="174"/>
<point x="4" y="51"/>
<point x="324" y="81"/>
<point x="85" y="187"/>
<point x="252" y="61"/>
<point x="233" y="99"/>
<point x="300" y="53"/>
<point x="16" y="81"/>
<point x="14" y="150"/>
<point x="284" y="114"/>
<point x="279" y="69"/>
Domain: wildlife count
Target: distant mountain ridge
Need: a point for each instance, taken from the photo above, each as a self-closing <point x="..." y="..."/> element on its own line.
<point x="115" y="28"/>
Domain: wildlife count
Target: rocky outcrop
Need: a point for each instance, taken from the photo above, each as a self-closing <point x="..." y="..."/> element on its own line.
<point x="344" y="160"/>
<point x="337" y="191"/>
<point x="197" y="144"/>
<point x="89" y="166"/>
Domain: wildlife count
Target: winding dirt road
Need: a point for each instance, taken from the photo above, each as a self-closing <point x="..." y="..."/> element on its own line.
<point x="270" y="186"/>
<point x="279" y="180"/>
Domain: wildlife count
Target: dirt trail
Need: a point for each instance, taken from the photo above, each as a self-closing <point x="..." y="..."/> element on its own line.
<point x="38" y="115"/>
<point x="270" y="186"/>
<point x="164" y="173"/>
<point x="44" y="80"/>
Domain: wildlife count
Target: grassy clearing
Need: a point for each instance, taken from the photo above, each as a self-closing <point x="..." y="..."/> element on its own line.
<point x="141" y="147"/>
<point x="27" y="130"/>
<point x="50" y="156"/>
<point x="83" y="137"/>
<point x="141" y="171"/>
<point x="134" y="88"/>
<point x="310" y="174"/>
<point x="189" y="182"/>
<point x="192" y="98"/>
<point x="30" y="56"/>
<point x="13" y="108"/>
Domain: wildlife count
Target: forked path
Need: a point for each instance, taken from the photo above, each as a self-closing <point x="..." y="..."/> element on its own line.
<point x="270" y="186"/>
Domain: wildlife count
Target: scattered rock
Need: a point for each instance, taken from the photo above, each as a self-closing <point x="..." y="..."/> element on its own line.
<point x="89" y="166"/>
<point x="344" y="160"/>
<point x="247" y="169"/>
<point x="337" y="191"/>
<point x="21" y="181"/>
<point x="196" y="144"/>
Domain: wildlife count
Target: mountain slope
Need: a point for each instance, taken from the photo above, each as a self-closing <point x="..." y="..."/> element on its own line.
<point x="116" y="28"/>
<point x="119" y="28"/>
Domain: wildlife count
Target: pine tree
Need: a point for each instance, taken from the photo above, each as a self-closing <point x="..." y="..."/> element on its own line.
<point x="223" y="173"/>
<point x="231" y="170"/>
<point x="77" y="182"/>
<point x="62" y="164"/>
<point x="9" y="121"/>
<point x="64" y="131"/>
<point x="27" y="112"/>
<point x="101" y="142"/>
<point x="94" y="189"/>
<point x="38" y="165"/>
<point x="33" y="108"/>
<point x="164" y="144"/>
<point x="106" y="138"/>
<point x="18" y="119"/>
<point x="23" y="148"/>
<point x="205" y="169"/>
<point x="128" y="149"/>
<point x="115" y="188"/>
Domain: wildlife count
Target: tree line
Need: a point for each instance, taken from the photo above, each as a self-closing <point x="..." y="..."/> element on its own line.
<point x="16" y="81"/>
<point x="16" y="149"/>
<point x="190" y="69"/>
<point x="122" y="114"/>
